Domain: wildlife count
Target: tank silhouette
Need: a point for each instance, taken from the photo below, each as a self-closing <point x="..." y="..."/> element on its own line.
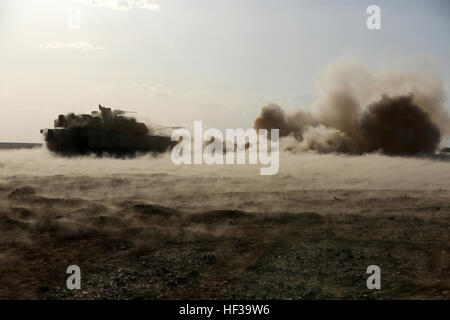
<point x="101" y="132"/>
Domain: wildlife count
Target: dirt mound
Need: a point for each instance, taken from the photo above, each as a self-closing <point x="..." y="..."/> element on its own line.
<point x="22" y="193"/>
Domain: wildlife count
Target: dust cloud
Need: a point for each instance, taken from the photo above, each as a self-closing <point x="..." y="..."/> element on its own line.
<point x="397" y="113"/>
<point x="156" y="180"/>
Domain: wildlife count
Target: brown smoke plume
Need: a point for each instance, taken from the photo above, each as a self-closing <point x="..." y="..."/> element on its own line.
<point x="396" y="113"/>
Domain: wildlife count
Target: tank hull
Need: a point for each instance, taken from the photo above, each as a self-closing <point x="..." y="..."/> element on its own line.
<point x="83" y="141"/>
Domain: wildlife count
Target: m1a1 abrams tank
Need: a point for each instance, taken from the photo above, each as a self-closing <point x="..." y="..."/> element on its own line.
<point x="101" y="132"/>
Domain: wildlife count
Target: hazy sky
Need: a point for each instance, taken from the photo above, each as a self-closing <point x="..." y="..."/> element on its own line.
<point x="175" y="61"/>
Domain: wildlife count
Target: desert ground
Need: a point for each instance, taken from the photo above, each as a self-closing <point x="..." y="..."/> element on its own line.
<point x="144" y="228"/>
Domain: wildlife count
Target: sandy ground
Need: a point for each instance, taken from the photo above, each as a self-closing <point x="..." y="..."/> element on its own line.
<point x="145" y="229"/>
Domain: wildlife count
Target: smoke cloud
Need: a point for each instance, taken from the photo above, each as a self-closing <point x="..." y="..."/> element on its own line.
<point x="359" y="112"/>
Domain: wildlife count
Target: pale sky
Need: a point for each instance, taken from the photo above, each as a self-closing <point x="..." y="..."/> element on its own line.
<point x="176" y="61"/>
